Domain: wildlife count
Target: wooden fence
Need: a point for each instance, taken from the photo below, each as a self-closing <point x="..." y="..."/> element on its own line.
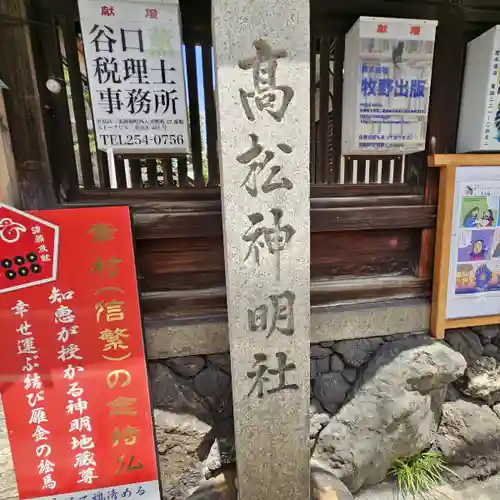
<point x="372" y="218"/>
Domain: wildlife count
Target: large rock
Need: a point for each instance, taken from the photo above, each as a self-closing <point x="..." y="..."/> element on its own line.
<point x="191" y="451"/>
<point x="394" y="412"/>
<point x="469" y="439"/>
<point x="483" y="380"/>
<point x="467" y="343"/>
<point x="357" y="352"/>
<point x="330" y="390"/>
<point x="182" y="443"/>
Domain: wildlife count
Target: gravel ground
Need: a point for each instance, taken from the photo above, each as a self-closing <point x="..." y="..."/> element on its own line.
<point x="469" y="490"/>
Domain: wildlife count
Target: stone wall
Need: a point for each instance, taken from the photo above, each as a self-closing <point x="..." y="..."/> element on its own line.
<point x="469" y="434"/>
<point x="372" y="400"/>
<point x="193" y="408"/>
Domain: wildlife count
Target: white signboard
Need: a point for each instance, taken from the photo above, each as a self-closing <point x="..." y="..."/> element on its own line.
<point x="136" y="76"/>
<point x="474" y="274"/>
<point x="387" y="82"/>
<point x="479" y="126"/>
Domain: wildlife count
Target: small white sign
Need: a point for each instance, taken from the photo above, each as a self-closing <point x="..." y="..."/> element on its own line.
<point x="134" y="63"/>
<point x="479" y="125"/>
<point x="148" y="490"/>
<point x="387" y="82"/>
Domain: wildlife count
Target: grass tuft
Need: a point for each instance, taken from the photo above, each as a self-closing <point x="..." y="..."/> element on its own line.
<point x="417" y="475"/>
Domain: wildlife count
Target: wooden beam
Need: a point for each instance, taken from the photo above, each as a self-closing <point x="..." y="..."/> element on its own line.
<point x="182" y="224"/>
<point x="139" y="196"/>
<point x="428" y="237"/>
<point x="134" y="197"/>
<point x="465" y="160"/>
<point x="384" y="217"/>
<point x="211" y="302"/>
<point x="332" y="190"/>
<point x="470" y="322"/>
<point x="23" y="105"/>
<point x="195" y="219"/>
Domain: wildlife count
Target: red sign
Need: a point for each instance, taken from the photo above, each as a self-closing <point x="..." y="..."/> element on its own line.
<point x="74" y="383"/>
<point x="29" y="250"/>
<point x="415" y="30"/>
<point x="382" y="28"/>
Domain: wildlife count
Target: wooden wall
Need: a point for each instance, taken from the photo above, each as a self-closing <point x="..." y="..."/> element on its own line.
<point x="369" y="242"/>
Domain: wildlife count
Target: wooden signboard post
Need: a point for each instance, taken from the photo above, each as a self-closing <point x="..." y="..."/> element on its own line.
<point x="466" y="289"/>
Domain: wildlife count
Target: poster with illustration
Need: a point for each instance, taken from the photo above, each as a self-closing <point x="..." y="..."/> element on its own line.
<point x="477" y="237"/>
<point x="474" y="260"/>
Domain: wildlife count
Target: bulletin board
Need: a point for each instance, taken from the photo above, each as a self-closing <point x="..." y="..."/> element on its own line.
<point x="466" y="288"/>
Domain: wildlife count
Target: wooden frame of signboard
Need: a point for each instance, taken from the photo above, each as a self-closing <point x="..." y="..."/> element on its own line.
<point x="448" y="164"/>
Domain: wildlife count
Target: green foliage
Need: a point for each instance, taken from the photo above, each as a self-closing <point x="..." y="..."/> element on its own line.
<point x="417" y="475"/>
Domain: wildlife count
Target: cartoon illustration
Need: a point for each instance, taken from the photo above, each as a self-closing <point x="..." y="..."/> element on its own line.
<point x="478" y="251"/>
<point x="471" y="217"/>
<point x="477" y="264"/>
<point x="478" y="211"/>
<point x="475" y="245"/>
<point x="488" y="219"/>
<point x="483" y="277"/>
<point x="476" y="278"/>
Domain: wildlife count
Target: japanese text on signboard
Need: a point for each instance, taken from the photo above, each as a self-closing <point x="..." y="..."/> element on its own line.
<point x="134" y="60"/>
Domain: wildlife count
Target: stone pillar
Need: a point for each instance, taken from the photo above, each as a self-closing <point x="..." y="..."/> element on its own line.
<point x="262" y="58"/>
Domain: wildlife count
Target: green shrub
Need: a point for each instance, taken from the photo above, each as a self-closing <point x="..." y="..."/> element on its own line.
<point x="417" y="475"/>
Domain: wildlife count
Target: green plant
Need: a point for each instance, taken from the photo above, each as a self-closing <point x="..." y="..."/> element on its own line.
<point x="417" y="475"/>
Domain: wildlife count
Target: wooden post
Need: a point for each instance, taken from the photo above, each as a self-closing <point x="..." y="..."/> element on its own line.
<point x="9" y="192"/>
<point x="445" y="108"/>
<point x="22" y="102"/>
